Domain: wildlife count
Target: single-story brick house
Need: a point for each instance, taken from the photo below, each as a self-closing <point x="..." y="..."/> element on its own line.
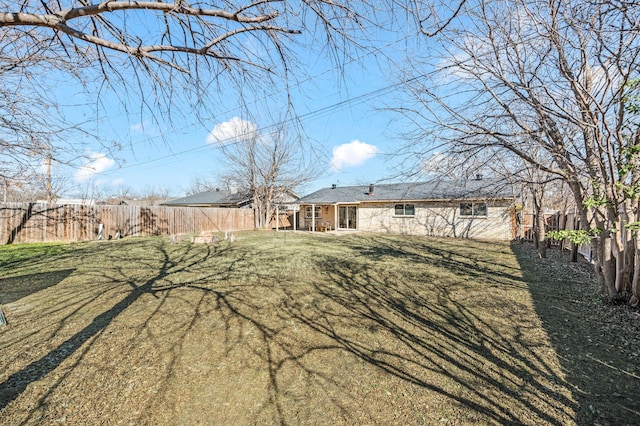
<point x="470" y="208"/>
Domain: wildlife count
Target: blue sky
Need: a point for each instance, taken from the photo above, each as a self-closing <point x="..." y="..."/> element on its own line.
<point x="340" y="114"/>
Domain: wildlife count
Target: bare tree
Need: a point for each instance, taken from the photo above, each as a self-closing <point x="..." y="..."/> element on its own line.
<point x="554" y="74"/>
<point x="192" y="48"/>
<point x="28" y="125"/>
<point x="118" y="195"/>
<point x="199" y="184"/>
<point x="535" y="183"/>
<point x="164" y="49"/>
<point x="154" y="195"/>
<point x="33" y="129"/>
<point x="268" y="167"/>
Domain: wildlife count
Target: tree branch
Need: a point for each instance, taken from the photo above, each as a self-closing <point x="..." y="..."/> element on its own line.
<point x="52" y="19"/>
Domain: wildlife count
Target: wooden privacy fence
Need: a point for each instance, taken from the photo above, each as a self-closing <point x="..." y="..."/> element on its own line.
<point x="36" y="222"/>
<point x="553" y="222"/>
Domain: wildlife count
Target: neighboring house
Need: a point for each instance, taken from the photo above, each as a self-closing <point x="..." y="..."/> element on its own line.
<point x="217" y="198"/>
<point x="478" y="208"/>
<point x="136" y="203"/>
<point x="70" y="201"/>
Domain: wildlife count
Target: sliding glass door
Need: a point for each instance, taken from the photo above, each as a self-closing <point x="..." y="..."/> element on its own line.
<point x="347" y="217"/>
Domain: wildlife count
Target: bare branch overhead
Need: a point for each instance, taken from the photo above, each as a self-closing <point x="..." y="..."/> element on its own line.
<point x="98" y="25"/>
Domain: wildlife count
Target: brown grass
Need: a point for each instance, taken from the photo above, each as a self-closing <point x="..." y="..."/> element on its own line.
<point x="290" y="328"/>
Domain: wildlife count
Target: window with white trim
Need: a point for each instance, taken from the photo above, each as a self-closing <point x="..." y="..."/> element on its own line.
<point x="404" y="210"/>
<point x="473" y="209"/>
<point x="307" y="212"/>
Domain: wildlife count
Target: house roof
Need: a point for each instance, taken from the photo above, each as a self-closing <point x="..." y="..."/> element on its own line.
<point x="435" y="190"/>
<point x="211" y="198"/>
<point x="140" y="203"/>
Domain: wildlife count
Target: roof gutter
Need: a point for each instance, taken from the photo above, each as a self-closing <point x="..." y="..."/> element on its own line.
<point x="439" y="200"/>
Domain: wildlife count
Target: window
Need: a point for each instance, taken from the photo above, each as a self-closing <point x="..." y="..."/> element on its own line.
<point x="473" y="209"/>
<point x="307" y="212"/>
<point x="405" y="210"/>
<point x="480" y="209"/>
<point x="466" y="209"/>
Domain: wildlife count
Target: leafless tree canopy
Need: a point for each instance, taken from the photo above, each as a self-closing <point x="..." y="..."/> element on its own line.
<point x="32" y="128"/>
<point x="553" y="78"/>
<point x="269" y="167"/>
<point x="153" y="55"/>
<point x="229" y="41"/>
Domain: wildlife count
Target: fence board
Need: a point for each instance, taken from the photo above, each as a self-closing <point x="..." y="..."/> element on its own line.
<point x="553" y="222"/>
<point x="31" y="222"/>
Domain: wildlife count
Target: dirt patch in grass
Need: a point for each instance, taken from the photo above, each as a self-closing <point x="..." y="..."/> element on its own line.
<point x="290" y="328"/>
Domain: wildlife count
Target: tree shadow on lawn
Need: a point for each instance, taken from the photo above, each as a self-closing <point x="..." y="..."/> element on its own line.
<point x="109" y="278"/>
<point x="450" y="336"/>
<point x="465" y="260"/>
<point x="596" y="342"/>
<point x="202" y="282"/>
<point x="454" y="342"/>
<point x="458" y="337"/>
<point x="13" y="289"/>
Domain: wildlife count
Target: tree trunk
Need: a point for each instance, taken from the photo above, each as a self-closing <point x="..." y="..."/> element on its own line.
<point x="574" y="252"/>
<point x="540" y="234"/>
<point x="617" y="252"/>
<point x="629" y="264"/>
<point x="608" y="264"/>
<point x="635" y="287"/>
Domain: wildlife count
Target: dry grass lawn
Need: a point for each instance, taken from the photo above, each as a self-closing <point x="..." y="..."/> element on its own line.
<point x="284" y="328"/>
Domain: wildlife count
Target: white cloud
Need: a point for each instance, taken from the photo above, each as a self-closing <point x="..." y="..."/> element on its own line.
<point x="144" y="128"/>
<point x="118" y="182"/>
<point x="231" y="131"/>
<point x="353" y="153"/>
<point x="137" y="128"/>
<point x="98" y="163"/>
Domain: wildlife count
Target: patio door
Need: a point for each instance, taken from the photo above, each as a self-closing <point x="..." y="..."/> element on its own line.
<point x="347" y="217"/>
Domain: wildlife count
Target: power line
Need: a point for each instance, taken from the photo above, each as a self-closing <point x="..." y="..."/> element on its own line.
<point x="306" y="116"/>
<point x="380" y="50"/>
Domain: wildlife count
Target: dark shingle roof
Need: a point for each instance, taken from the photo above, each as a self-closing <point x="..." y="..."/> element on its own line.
<point x="217" y="198"/>
<point x="433" y="190"/>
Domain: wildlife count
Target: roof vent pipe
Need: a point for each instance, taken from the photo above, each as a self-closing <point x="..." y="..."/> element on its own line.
<point x="370" y="189"/>
<point x="333" y="186"/>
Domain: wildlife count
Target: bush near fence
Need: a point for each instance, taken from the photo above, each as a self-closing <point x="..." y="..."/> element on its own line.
<point x="553" y="222"/>
<point x="36" y="222"/>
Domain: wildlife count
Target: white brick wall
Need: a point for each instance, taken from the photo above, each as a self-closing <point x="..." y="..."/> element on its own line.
<point x="438" y="219"/>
